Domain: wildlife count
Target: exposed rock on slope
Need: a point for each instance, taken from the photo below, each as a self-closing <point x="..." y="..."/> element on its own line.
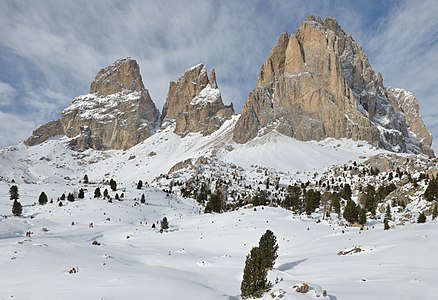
<point x="194" y="102"/>
<point x="406" y="103"/>
<point x="117" y="114"/>
<point x="318" y="83"/>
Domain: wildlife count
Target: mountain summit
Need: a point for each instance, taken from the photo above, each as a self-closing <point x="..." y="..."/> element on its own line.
<point x="318" y="83"/>
<point x="117" y="114"/>
<point x="194" y="102"/>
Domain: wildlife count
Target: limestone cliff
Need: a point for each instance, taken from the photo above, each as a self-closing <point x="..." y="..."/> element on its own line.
<point x="318" y="83"/>
<point x="194" y="102"/>
<point x="117" y="114"/>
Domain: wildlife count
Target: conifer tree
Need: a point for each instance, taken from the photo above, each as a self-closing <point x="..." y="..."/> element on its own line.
<point x="70" y="197"/>
<point x="13" y="193"/>
<point x="42" y="198"/>
<point x="62" y="196"/>
<point x="113" y="185"/>
<point x="97" y="193"/>
<point x="336" y="203"/>
<point x="435" y="212"/>
<point x="431" y="192"/>
<point x="164" y="224"/>
<point x="385" y="224"/>
<point x="388" y="214"/>
<point x="81" y="194"/>
<point x="254" y="282"/>
<point x="350" y="212"/>
<point x="105" y="194"/>
<point x="268" y="247"/>
<point x="17" y="208"/>
<point x="139" y="185"/>
<point x="86" y="179"/>
<point x="362" y="216"/>
<point x="117" y="196"/>
<point x="421" y="218"/>
<point x="143" y="199"/>
<point x="346" y="192"/>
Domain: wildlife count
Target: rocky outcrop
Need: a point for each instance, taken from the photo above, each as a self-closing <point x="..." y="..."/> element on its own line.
<point x="318" y="83"/>
<point x="194" y="102"/>
<point x="406" y="103"/>
<point x="117" y="114"/>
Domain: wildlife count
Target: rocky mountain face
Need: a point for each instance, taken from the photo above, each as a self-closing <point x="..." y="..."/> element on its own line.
<point x="194" y="102"/>
<point x="405" y="103"/>
<point x="318" y="83"/>
<point x="117" y="114"/>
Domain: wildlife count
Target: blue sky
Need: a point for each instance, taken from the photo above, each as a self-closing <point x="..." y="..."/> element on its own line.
<point x="50" y="51"/>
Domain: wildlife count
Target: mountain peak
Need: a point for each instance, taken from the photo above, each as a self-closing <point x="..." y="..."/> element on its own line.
<point x="194" y="102"/>
<point x="318" y="83"/>
<point x="122" y="75"/>
<point x="117" y="114"/>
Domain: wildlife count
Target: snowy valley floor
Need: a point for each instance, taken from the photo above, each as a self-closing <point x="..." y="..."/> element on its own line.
<point x="202" y="255"/>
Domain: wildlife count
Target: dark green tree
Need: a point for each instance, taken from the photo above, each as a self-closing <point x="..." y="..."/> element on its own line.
<point x="116" y="196"/>
<point x="431" y="192"/>
<point x="164" y="224"/>
<point x="13" y="193"/>
<point x="214" y="204"/>
<point x="42" y="198"/>
<point x="336" y="203"/>
<point x="385" y="224"/>
<point x="312" y="199"/>
<point x="113" y="185"/>
<point x="86" y="179"/>
<point x="421" y="218"/>
<point x="345" y="192"/>
<point x="70" y="197"/>
<point x="268" y="246"/>
<point x="62" y="196"/>
<point x="293" y="198"/>
<point x="17" y="208"/>
<point x="139" y="185"/>
<point x="105" y="194"/>
<point x="362" y="216"/>
<point x="97" y="193"/>
<point x="254" y="282"/>
<point x="81" y="194"/>
<point x="350" y="212"/>
<point x="435" y="212"/>
<point x="143" y="199"/>
<point x="388" y="214"/>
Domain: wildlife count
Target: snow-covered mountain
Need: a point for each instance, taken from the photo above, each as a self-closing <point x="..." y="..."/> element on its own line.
<point x="221" y="180"/>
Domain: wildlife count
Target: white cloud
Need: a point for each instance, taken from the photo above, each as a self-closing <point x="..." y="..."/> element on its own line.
<point x="14" y="129"/>
<point x="7" y="94"/>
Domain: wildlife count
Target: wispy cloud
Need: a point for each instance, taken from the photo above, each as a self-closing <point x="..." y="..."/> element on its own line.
<point x="7" y="94"/>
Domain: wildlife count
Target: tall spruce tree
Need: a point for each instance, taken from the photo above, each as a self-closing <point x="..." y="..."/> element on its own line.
<point x="268" y="246"/>
<point x="435" y="212"/>
<point x="254" y="282"/>
<point x="97" y="193"/>
<point x="17" y="208"/>
<point x="164" y="224"/>
<point x="431" y="192"/>
<point x="81" y="194"/>
<point x="42" y="198"/>
<point x="113" y="185"/>
<point x="422" y="218"/>
<point x="13" y="193"/>
<point x="139" y="185"/>
<point x="350" y="212"/>
<point x="86" y="179"/>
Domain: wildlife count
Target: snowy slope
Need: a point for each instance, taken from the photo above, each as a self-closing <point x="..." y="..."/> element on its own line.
<point x="202" y="255"/>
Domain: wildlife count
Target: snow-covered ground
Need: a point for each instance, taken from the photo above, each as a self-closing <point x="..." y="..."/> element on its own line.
<point x="202" y="255"/>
